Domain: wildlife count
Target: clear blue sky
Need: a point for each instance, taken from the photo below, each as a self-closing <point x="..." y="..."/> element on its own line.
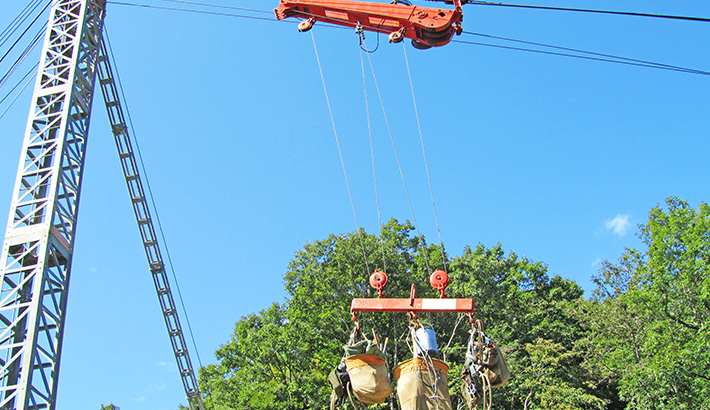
<point x="556" y="158"/>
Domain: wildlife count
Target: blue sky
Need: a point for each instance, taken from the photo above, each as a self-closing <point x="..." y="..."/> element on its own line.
<point x="556" y="158"/>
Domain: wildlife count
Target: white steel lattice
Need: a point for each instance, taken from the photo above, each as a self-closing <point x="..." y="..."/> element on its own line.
<point x="35" y="263"/>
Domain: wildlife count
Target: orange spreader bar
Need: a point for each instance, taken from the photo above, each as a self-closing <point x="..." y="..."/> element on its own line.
<point x="429" y="27"/>
<point x="412" y="305"/>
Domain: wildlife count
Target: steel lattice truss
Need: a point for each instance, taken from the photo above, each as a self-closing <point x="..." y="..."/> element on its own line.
<point x="141" y="210"/>
<point x="35" y="263"/>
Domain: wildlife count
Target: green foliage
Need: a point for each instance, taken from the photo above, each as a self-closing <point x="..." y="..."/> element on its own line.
<point x="280" y="357"/>
<point x="110" y="407"/>
<point x="521" y="305"/>
<point x="648" y="324"/>
<point x="641" y="342"/>
<point x="548" y="387"/>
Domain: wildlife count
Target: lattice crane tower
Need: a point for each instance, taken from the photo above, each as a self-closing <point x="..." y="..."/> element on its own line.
<point x="35" y="263"/>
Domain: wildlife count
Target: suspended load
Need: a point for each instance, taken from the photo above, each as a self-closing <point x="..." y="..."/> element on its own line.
<point x="422" y="382"/>
<point x="485" y="368"/>
<point x="362" y="376"/>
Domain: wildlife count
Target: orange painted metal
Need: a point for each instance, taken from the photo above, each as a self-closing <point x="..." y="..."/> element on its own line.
<point x="428" y="26"/>
<point x="412" y="305"/>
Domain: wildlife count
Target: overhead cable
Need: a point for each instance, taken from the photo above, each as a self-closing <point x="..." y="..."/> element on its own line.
<point x="399" y="163"/>
<point x="219" y="6"/>
<point x="340" y="154"/>
<point x="621" y="13"/>
<point x="660" y="65"/>
<point x="214" y="13"/>
<point x="17" y="21"/>
<point x="592" y="56"/>
<point x="15" y="65"/>
<point x="24" y="32"/>
<point x="27" y="82"/>
<point x="426" y="163"/>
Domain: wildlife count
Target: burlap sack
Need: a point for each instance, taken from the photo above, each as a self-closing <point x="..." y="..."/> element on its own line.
<point x="369" y="378"/>
<point x="416" y="385"/>
<point x="497" y="371"/>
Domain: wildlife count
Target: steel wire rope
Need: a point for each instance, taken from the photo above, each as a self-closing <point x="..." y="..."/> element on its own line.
<point x="610" y="59"/>
<point x="606" y="57"/>
<point x="27" y="82"/>
<point x="621" y="13"/>
<point x="399" y="164"/>
<point x="426" y="163"/>
<point x="219" y="6"/>
<point x="621" y="60"/>
<point x="654" y="65"/>
<point x="21" y="58"/>
<point x="340" y="154"/>
<point x="24" y="32"/>
<point x="372" y="156"/>
<point x="150" y="192"/>
<point x="214" y="13"/>
<point x="486" y="3"/>
<point x="17" y="21"/>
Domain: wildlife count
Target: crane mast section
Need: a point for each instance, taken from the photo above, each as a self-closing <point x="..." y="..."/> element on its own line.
<point x="141" y="209"/>
<point x="35" y="262"/>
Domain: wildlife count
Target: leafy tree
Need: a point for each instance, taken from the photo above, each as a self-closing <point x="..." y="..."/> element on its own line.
<point x="649" y="321"/>
<point x="110" y="407"/>
<point x="547" y="390"/>
<point x="527" y="313"/>
<point x="279" y="358"/>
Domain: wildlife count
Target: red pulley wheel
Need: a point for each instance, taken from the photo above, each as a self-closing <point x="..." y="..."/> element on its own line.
<point x="378" y="280"/>
<point x="439" y="280"/>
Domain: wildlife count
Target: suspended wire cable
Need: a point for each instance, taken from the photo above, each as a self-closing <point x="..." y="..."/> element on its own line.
<point x="610" y="59"/>
<point x="399" y="164"/>
<point x="17" y="21"/>
<point x="340" y="153"/>
<point x="21" y="58"/>
<point x="625" y="61"/>
<point x="27" y="82"/>
<point x="621" y="13"/>
<point x="605" y="57"/>
<point x="219" y="6"/>
<point x="372" y="156"/>
<point x="24" y="32"/>
<point x="213" y="13"/>
<point x="426" y="163"/>
<point x="152" y="197"/>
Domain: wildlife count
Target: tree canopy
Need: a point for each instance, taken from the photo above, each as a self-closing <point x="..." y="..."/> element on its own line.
<point x="649" y="319"/>
<point x="641" y="341"/>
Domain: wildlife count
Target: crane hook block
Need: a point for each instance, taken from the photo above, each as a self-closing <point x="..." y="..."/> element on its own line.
<point x="426" y="27"/>
<point x="378" y="280"/>
<point x="439" y="280"/>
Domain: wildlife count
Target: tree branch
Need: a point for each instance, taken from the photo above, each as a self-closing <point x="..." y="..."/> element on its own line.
<point x="672" y="317"/>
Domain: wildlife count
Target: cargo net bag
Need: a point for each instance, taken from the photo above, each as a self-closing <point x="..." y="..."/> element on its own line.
<point x="422" y="382"/>
<point x="484" y="368"/>
<point x="362" y="376"/>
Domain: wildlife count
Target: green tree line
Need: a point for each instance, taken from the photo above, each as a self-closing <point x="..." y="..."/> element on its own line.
<point x="640" y="341"/>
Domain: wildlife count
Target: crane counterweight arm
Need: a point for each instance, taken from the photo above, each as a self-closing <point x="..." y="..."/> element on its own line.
<point x="427" y="27"/>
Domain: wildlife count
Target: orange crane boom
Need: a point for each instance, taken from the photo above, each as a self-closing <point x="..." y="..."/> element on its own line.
<point x="426" y="27"/>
